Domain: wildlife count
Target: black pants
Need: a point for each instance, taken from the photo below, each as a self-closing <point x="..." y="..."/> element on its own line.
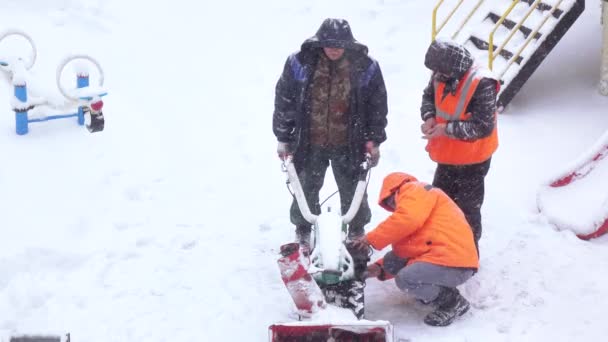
<point x="465" y="185"/>
<point x="346" y="173"/>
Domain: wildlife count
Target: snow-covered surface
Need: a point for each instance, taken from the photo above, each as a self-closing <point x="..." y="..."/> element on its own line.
<point x="166" y="226"/>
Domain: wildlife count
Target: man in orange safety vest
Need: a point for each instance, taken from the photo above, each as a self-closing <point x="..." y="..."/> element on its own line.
<point x="459" y="114"/>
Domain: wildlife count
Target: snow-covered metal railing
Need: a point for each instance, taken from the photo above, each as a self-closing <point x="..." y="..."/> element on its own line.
<point x="604" y="67"/>
<point x="435" y="30"/>
<point x="468" y="17"/>
<point x="493" y="54"/>
<point x="530" y="37"/>
<point x="82" y="100"/>
<point x="445" y="21"/>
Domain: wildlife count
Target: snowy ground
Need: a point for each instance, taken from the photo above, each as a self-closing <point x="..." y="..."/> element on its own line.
<point x="166" y="225"/>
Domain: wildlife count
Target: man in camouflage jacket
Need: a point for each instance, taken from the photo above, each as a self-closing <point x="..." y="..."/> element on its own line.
<point x="330" y="106"/>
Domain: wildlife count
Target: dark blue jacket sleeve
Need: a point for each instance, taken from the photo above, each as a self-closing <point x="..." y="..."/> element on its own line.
<point x="285" y="101"/>
<point x="377" y="108"/>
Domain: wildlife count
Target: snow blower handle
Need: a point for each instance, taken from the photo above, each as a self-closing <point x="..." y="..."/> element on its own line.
<point x="359" y="190"/>
<point x="292" y="178"/>
<point x="365" y="166"/>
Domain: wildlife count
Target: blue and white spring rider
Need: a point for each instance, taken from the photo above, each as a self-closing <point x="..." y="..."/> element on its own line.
<point x="82" y="100"/>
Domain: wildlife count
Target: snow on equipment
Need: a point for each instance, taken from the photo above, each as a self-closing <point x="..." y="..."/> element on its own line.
<point x="84" y="99"/>
<point x="328" y="296"/>
<point x="304" y="291"/>
<point x="315" y="332"/>
<point x="576" y="198"/>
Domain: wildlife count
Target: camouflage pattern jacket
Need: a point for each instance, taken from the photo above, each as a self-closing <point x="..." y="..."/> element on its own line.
<point x="367" y="109"/>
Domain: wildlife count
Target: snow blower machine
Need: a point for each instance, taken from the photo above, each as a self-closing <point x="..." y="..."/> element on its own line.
<point x="327" y="292"/>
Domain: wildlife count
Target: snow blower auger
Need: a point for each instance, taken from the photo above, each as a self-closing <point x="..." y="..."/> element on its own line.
<point x="328" y="296"/>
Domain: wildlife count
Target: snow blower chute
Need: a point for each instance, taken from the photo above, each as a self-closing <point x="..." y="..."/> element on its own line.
<point x="328" y="295"/>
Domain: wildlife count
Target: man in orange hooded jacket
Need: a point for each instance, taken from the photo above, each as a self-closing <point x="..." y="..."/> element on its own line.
<point x="433" y="249"/>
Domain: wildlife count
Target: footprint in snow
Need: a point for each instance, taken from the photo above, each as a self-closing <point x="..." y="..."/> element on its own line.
<point x="189" y="245"/>
<point x="265" y="227"/>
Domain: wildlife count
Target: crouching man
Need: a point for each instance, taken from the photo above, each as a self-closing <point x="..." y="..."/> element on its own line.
<point x="433" y="249"/>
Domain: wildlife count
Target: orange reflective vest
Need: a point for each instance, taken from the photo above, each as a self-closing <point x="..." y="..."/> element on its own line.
<point x="448" y="150"/>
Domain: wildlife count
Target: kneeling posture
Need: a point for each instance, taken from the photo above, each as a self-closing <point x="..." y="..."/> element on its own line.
<point x="433" y="249"/>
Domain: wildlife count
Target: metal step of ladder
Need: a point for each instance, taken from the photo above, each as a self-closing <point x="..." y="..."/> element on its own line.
<point x="483" y="45"/>
<point x="545" y="7"/>
<point x="511" y="24"/>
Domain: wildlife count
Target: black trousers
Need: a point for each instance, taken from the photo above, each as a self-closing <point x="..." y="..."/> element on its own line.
<point x="465" y="185"/>
<point x="346" y="173"/>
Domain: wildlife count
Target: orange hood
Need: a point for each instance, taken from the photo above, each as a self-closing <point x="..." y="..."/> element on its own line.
<point x="391" y="184"/>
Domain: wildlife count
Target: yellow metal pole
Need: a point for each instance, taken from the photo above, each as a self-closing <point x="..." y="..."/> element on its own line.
<point x="532" y="34"/>
<point x="468" y="18"/>
<point x="604" y="66"/>
<point x="514" y="29"/>
<point x="434" y="33"/>
<point x="449" y="16"/>
<point x="491" y="39"/>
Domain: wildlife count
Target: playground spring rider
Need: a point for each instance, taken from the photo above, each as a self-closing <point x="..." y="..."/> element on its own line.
<point x="85" y="99"/>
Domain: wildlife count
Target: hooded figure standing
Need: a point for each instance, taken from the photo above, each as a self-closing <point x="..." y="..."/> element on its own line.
<point x="330" y="107"/>
<point x="459" y="114"/>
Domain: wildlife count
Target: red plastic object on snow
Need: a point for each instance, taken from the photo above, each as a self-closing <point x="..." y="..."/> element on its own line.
<point x="579" y="173"/>
<point x="329" y="332"/>
<point x="97" y="106"/>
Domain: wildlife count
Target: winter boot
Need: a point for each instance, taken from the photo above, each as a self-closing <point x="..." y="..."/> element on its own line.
<point x="303" y="237"/>
<point x="449" y="304"/>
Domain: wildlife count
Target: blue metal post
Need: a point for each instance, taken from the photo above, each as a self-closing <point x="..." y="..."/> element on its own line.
<point x="82" y="81"/>
<point x="21" y="113"/>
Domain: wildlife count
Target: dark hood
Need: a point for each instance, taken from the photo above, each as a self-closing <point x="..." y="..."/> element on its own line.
<point x="334" y="33"/>
<point x="448" y="58"/>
